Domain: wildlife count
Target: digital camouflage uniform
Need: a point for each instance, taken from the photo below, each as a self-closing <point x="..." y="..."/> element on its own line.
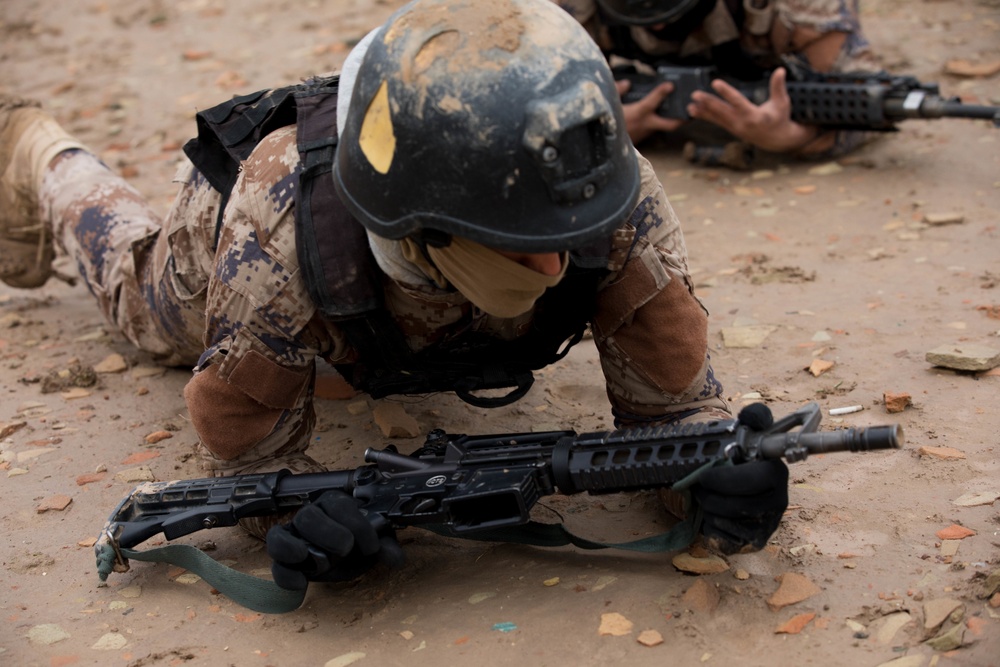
<point x="778" y="29"/>
<point x="242" y="314"/>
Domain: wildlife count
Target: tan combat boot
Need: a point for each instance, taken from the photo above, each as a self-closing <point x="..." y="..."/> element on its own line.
<point x="29" y="140"/>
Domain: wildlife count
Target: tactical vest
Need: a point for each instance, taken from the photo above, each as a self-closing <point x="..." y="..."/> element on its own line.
<point x="344" y="280"/>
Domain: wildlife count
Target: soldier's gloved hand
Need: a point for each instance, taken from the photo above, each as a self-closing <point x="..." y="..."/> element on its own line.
<point x="330" y="540"/>
<point x="742" y="504"/>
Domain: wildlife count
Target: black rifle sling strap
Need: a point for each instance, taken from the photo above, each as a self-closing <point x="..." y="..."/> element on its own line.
<point x="332" y="247"/>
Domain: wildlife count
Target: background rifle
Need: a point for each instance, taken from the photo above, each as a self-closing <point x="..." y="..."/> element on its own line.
<point x="846" y="100"/>
<point x="469" y="484"/>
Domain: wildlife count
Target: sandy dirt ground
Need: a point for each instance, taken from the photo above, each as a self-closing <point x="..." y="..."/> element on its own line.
<point x="855" y="269"/>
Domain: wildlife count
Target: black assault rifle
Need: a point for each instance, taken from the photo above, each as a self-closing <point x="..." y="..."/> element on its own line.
<point x="474" y="484"/>
<point x="847" y="101"/>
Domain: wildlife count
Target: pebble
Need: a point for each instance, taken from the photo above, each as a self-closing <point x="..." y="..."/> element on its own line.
<point x="964" y="357"/>
<point x="75" y="393"/>
<point x="111" y="641"/>
<point x="131" y="591"/>
<point x="946" y="453"/>
<point x="905" y="661"/>
<point x="827" y="169"/>
<point x="746" y="337"/>
<point x="140" y="372"/>
<point x="89" y="478"/>
<point x="955" y="532"/>
<point x="394" y="421"/>
<point x="615" y="624"/>
<point x="47" y="634"/>
<point x="136" y="475"/>
<point x="949" y="640"/>
<point x="795" y="624"/>
<point x="55" y="503"/>
<point x="113" y="363"/>
<point x="975" y="499"/>
<point x="896" y="402"/>
<point x="97" y="334"/>
<point x="345" y="659"/>
<point x="892" y="624"/>
<point x="157" y="436"/>
<point x="949" y="548"/>
<point x="649" y="638"/>
<point x="708" y="564"/>
<point x="794" y="588"/>
<point x="29" y="454"/>
<point x="819" y="366"/>
<point x="701" y="596"/>
<point x="854" y="626"/>
<point x="937" y="611"/>
<point x="9" y="428"/>
<point x="943" y="218"/>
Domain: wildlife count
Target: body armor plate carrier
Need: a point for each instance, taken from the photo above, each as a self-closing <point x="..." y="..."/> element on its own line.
<point x="344" y="280"/>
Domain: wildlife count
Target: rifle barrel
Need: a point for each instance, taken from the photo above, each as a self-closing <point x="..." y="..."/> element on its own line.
<point x="952" y="109"/>
<point x="841" y="440"/>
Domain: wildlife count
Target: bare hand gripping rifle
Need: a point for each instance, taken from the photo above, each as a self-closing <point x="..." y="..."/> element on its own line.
<point x="873" y="102"/>
<point x="471" y="486"/>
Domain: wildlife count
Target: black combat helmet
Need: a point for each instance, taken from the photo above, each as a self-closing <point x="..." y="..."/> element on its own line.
<point x="653" y="12"/>
<point x="495" y="121"/>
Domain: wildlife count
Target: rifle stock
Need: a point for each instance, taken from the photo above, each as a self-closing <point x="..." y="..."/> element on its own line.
<point x="472" y="483"/>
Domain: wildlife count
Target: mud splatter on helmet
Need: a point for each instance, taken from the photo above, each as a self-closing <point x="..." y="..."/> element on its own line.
<point x="496" y="121"/>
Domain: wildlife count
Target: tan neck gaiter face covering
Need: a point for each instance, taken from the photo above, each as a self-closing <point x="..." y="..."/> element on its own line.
<point x="497" y="285"/>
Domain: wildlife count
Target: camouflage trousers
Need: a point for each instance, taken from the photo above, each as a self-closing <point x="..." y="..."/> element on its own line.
<point x="149" y="276"/>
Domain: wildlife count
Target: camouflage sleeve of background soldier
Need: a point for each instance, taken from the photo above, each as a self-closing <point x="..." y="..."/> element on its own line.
<point x="251" y="397"/>
<point x="650" y="329"/>
<point x="804" y="18"/>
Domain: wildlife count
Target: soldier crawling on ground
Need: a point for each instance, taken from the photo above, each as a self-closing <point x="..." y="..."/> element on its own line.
<point x="374" y="222"/>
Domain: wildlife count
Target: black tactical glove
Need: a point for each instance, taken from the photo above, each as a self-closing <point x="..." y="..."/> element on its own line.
<point x="330" y="540"/>
<point x="743" y="504"/>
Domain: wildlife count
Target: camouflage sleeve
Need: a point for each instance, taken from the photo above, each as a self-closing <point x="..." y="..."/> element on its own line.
<point x="650" y="329"/>
<point x="251" y="396"/>
<point x="819" y="17"/>
<point x="806" y="20"/>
